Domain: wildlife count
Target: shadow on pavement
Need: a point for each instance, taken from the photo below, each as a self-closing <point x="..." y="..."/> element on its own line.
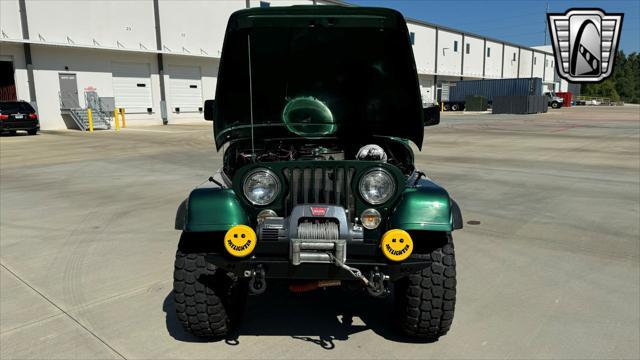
<point x="320" y="317"/>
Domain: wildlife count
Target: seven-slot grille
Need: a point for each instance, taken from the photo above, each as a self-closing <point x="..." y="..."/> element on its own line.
<point x="319" y="185"/>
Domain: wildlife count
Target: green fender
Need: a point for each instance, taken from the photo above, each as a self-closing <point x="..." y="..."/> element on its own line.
<point x="210" y="209"/>
<point x="425" y="207"/>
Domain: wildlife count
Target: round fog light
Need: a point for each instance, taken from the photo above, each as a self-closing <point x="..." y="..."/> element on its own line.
<point x="370" y="219"/>
<point x="266" y="213"/>
<point x="240" y="240"/>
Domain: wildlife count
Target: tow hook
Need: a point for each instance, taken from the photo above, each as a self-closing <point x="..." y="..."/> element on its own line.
<point x="258" y="282"/>
<point x="351" y="270"/>
<point x="378" y="283"/>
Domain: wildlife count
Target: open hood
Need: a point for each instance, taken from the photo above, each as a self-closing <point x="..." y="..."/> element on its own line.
<point x="317" y="72"/>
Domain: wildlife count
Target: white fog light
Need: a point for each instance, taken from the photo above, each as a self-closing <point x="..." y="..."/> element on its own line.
<point x="370" y="219"/>
<point x="266" y="213"/>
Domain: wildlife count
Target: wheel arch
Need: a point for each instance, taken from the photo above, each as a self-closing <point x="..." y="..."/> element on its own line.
<point x="210" y="210"/>
<point x="426" y="207"/>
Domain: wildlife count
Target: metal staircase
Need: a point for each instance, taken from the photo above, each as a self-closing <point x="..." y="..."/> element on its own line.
<point x="80" y="116"/>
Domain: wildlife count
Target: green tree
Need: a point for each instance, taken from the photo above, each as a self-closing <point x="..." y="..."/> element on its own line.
<point x="624" y="84"/>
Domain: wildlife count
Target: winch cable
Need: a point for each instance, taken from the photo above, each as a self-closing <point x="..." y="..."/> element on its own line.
<point x="319" y="231"/>
<point x="353" y="271"/>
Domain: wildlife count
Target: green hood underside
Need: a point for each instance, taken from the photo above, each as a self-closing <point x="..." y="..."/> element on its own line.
<point x="317" y="72"/>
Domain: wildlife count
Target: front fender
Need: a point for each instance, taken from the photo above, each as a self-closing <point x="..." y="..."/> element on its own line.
<point x="210" y="209"/>
<point x="425" y="207"/>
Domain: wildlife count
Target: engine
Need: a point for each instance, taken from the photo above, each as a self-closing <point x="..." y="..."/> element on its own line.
<point x="241" y="154"/>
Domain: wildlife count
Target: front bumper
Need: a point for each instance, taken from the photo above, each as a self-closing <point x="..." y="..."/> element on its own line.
<point x="279" y="267"/>
<point x="19" y="125"/>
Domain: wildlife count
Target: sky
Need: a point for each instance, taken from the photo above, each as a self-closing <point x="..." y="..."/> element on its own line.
<point x="521" y="22"/>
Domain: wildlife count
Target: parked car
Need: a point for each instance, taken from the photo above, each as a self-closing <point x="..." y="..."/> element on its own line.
<point x="554" y="100"/>
<point x="316" y="108"/>
<point x="18" y="115"/>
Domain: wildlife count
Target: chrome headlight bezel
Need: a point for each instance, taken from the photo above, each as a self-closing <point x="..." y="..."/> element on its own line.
<point x="374" y="172"/>
<point x="247" y="193"/>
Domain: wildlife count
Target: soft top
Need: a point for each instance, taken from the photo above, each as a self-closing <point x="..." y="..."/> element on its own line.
<point x="317" y="72"/>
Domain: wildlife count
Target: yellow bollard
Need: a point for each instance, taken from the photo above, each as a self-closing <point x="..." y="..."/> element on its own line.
<point x="441" y="107"/>
<point x="90" y="115"/>
<point x="124" y="123"/>
<point x="115" y="118"/>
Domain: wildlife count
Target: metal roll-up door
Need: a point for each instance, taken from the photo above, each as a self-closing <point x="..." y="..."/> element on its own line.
<point x="132" y="87"/>
<point x="185" y="89"/>
<point x="426" y="90"/>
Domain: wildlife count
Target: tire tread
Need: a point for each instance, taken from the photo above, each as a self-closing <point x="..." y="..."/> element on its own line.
<point x="198" y="308"/>
<point x="426" y="299"/>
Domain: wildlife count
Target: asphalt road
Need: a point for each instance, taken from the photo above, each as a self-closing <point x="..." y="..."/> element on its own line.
<point x="551" y="268"/>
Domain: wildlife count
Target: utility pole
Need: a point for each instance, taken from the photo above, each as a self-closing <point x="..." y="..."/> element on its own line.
<point x="545" y="23"/>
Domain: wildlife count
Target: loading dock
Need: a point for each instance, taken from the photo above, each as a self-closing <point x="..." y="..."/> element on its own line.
<point x="132" y="87"/>
<point x="185" y="88"/>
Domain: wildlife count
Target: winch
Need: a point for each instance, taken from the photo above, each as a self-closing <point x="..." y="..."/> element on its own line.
<point x="325" y="230"/>
<point x="316" y="232"/>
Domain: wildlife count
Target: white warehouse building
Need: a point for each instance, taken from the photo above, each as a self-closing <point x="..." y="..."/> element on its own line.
<point x="159" y="59"/>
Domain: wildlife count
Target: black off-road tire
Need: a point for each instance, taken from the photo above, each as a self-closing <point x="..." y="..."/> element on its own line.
<point x="555" y="105"/>
<point x="425" y="300"/>
<point x="32" y="131"/>
<point x="455" y="107"/>
<point x="208" y="302"/>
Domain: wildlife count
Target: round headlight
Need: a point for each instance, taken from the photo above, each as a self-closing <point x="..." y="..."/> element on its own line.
<point x="261" y="187"/>
<point x="377" y="186"/>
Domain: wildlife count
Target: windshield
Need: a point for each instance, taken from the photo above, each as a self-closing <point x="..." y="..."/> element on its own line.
<point x="339" y="81"/>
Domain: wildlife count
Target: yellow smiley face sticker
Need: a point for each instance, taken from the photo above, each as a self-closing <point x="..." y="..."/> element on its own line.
<point x="240" y="240"/>
<point x="396" y="245"/>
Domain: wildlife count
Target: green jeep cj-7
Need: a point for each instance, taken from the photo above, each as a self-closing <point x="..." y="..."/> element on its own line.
<point x="315" y="109"/>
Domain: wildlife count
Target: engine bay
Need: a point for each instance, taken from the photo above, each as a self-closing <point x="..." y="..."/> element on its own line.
<point x="391" y="151"/>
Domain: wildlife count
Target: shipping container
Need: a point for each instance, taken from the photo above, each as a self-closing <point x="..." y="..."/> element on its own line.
<point x="529" y="104"/>
<point x="489" y="89"/>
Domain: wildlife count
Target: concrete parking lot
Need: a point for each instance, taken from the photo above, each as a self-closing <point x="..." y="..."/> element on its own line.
<point x="551" y="268"/>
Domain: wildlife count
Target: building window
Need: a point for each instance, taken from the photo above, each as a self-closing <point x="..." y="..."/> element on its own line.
<point x="412" y="38"/>
<point x="488" y="52"/>
<point x="534" y="60"/>
<point x="551" y="63"/>
<point x="467" y="47"/>
<point x="514" y="57"/>
<point x="264" y="4"/>
<point x="455" y="46"/>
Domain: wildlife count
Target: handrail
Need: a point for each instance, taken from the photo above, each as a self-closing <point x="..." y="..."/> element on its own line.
<point x="101" y="117"/>
<point x="77" y="119"/>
